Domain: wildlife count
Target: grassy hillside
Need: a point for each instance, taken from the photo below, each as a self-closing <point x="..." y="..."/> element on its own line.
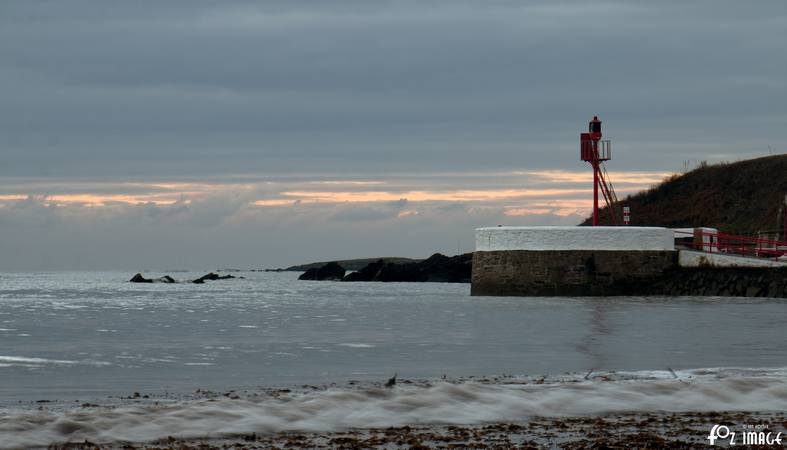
<point x="739" y="198"/>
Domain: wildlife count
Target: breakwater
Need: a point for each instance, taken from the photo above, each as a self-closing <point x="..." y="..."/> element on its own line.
<point x="720" y="281"/>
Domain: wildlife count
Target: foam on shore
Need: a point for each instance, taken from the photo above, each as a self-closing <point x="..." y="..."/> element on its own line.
<point x="443" y="402"/>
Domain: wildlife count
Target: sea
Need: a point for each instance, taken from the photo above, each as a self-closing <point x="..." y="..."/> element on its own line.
<point x="91" y="356"/>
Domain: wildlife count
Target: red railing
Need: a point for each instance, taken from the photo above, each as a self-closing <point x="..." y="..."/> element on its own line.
<point x="717" y="242"/>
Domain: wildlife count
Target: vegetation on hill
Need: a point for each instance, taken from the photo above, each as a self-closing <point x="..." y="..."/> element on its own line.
<point x="739" y="198"/>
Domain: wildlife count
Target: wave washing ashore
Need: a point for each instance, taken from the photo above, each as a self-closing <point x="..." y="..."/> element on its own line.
<point x="88" y="356"/>
<point x="668" y="407"/>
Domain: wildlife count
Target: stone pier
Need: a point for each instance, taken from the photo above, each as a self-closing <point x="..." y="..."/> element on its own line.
<point x="547" y="261"/>
<point x="589" y="261"/>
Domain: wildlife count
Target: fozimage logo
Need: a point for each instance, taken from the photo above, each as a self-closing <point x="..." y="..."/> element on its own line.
<point x="751" y="435"/>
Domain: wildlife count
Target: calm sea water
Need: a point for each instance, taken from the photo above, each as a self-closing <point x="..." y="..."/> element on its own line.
<point x="73" y="337"/>
<point x="88" y="335"/>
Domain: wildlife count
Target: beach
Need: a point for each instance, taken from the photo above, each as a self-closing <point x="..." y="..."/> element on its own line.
<point x="643" y="431"/>
<point x="604" y="410"/>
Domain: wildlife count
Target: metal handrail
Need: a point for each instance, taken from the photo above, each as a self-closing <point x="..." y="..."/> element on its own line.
<point x="736" y="245"/>
<point x="604" y="149"/>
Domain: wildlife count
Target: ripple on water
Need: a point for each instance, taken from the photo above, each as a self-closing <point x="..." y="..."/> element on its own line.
<point x="28" y="361"/>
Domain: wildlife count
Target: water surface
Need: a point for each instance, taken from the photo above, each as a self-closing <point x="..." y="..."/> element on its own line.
<point x="89" y="335"/>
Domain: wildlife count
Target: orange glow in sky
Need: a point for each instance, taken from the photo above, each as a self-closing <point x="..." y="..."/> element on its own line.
<point x="423" y="196"/>
<point x="528" y="200"/>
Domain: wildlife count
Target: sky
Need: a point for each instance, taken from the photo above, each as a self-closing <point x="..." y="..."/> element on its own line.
<point x="195" y="134"/>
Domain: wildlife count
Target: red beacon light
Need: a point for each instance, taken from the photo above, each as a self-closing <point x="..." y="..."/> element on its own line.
<point x="592" y="147"/>
<point x="595" y="151"/>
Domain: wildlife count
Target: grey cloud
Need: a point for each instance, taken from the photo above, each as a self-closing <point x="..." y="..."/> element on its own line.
<point x="366" y="212"/>
<point x="425" y="94"/>
<point x="201" y="87"/>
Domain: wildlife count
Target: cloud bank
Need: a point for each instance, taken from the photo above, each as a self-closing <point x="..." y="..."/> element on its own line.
<point x="271" y="222"/>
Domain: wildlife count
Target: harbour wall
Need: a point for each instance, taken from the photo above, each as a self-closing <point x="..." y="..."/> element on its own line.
<point x="567" y="272"/>
<point x="608" y="261"/>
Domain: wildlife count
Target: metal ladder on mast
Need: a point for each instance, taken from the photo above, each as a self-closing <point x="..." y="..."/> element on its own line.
<point x="609" y="193"/>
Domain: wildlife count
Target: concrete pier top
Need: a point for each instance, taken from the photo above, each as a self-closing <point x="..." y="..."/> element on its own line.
<point x="574" y="238"/>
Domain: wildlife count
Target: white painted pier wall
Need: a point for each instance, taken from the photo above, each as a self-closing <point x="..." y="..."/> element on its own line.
<point x="574" y="238"/>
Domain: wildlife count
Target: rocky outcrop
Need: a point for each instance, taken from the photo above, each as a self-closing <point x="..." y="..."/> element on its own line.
<point x="368" y="273"/>
<point x="348" y="264"/>
<point x="138" y="278"/>
<point x="330" y="271"/>
<point x="444" y="269"/>
<point x="437" y="268"/>
<point x="212" y="277"/>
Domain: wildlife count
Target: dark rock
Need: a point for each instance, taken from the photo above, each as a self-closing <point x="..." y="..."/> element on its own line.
<point x="138" y="278"/>
<point x="212" y="277"/>
<point x="368" y="273"/>
<point x="400" y="273"/>
<point x="444" y="269"/>
<point x="391" y="382"/>
<point x="436" y="268"/>
<point x="330" y="271"/>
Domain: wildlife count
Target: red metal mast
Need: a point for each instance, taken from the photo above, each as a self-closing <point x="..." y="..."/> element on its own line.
<point x="596" y="151"/>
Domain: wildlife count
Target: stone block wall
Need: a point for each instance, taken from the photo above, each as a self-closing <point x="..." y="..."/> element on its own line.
<point x="567" y="272"/>
<point x="593" y="272"/>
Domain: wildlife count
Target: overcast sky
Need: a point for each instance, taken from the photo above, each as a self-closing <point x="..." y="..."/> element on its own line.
<point x="204" y="134"/>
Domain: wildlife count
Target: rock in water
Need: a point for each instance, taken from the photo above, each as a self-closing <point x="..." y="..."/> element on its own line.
<point x="209" y="277"/>
<point x="212" y="277"/>
<point x="391" y="381"/>
<point x="330" y="271"/>
<point x="138" y="278"/>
